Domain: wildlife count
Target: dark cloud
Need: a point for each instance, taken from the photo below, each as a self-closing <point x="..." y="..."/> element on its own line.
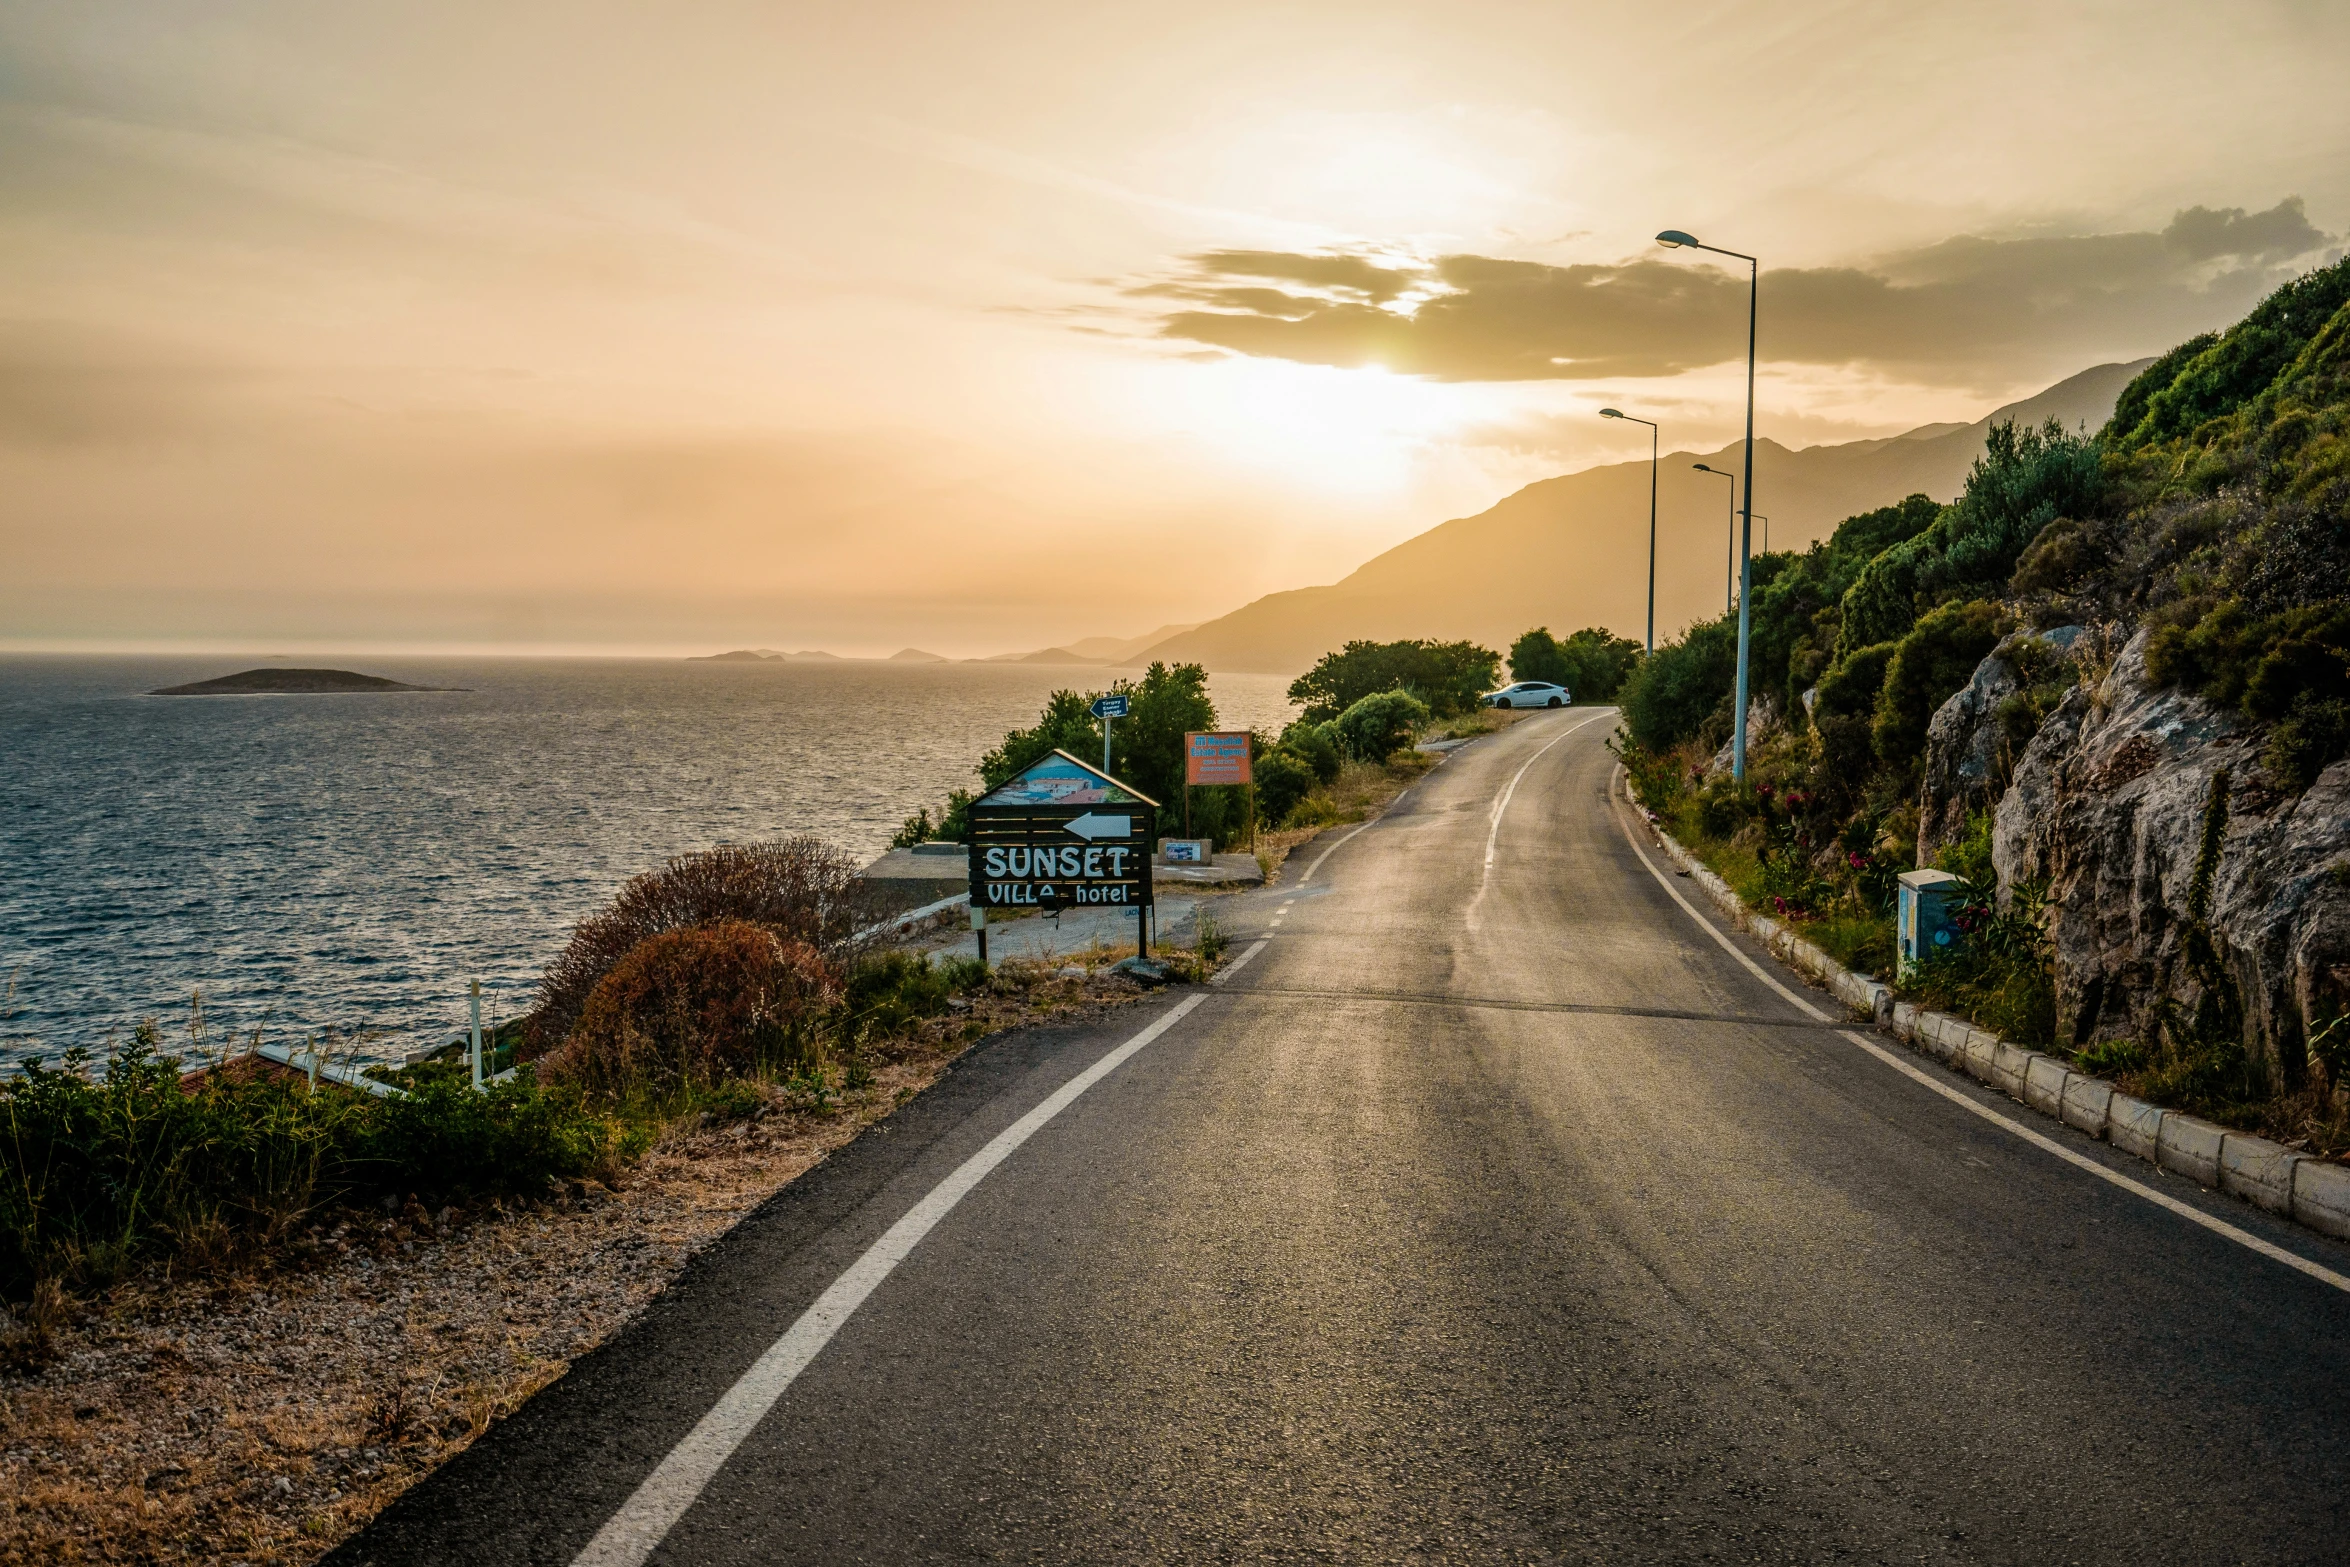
<point x="2202" y="233"/>
<point x="1965" y="307"/>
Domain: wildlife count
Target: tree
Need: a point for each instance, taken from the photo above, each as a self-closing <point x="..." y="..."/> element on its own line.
<point x="1379" y="725"/>
<point x="1536" y="655"/>
<point x="1448" y="677"/>
<point x="1596" y="663"/>
<point x="1670" y="696"/>
<point x="1168" y="702"/>
<point x="1067" y="724"/>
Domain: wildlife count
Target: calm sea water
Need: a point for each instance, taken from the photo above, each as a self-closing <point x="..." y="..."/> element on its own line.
<point x="348" y="863"/>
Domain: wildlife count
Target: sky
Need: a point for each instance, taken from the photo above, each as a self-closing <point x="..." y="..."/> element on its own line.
<point x="612" y="328"/>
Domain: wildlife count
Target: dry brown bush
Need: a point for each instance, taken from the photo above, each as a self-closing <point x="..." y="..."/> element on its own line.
<point x="796" y="888"/>
<point x="698" y="1006"/>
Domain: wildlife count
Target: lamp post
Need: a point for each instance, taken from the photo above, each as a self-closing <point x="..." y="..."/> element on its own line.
<point x="1674" y="239"/>
<point x="1615" y="413"/>
<point x="1766" y="522"/>
<point x="1730" y="549"/>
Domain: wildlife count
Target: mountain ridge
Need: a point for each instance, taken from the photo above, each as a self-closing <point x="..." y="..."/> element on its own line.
<point x="1571" y="551"/>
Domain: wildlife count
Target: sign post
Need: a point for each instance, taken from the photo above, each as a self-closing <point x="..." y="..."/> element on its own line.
<point x="1107" y="708"/>
<point x="1219" y="756"/>
<point x="1063" y="835"/>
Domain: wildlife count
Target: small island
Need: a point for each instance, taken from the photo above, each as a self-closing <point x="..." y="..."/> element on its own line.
<point x="292" y="682"/>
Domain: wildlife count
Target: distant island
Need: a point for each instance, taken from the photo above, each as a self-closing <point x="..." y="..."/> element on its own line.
<point x="767" y="655"/>
<point x="292" y="682"/>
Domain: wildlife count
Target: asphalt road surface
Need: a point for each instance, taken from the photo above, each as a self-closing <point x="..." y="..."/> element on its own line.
<point x="1491" y="1211"/>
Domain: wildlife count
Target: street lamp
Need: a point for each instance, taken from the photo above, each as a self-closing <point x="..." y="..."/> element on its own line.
<point x="1674" y="239"/>
<point x="1766" y="522"/>
<point x="1614" y="413"/>
<point x="1730" y="536"/>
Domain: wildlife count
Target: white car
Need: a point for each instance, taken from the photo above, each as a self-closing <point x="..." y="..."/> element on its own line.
<point x="1530" y="693"/>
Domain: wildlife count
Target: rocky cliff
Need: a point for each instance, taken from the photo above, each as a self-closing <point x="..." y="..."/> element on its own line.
<point x="2187" y="894"/>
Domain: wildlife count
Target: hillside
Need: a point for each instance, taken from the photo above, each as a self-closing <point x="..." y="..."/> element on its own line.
<point x="1573" y="551"/>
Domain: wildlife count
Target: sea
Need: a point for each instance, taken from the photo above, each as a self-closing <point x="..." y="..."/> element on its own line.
<point x="343" y="866"/>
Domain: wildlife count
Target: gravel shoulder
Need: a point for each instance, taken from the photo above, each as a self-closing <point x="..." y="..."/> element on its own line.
<point x="264" y="1415"/>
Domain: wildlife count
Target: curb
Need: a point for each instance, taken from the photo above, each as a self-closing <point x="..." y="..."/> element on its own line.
<point x="2314" y="1193"/>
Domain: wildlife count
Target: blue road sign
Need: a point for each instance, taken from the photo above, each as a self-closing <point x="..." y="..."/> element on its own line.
<point x="1109" y="707"/>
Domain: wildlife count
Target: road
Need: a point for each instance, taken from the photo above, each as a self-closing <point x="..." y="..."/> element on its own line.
<point x="1492" y="1211"/>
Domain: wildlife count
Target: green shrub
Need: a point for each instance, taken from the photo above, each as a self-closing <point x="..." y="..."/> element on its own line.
<point x="103" y="1172"/>
<point x="1669" y="697"/>
<point x="1312" y="743"/>
<point x="1283" y="779"/>
<point x="1850" y="686"/>
<point x="1931" y="664"/>
<point x="1379" y="725"/>
<point x="2206" y="378"/>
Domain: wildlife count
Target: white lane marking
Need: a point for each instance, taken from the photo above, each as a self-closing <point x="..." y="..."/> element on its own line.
<point x="1326" y="853"/>
<point x="2160" y="1199"/>
<point x="1235" y="965"/>
<point x="1501" y="803"/>
<point x="646" y="1518"/>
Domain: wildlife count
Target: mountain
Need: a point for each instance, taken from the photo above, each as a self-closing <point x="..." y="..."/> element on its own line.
<point x="1094" y="650"/>
<point x="914" y="655"/>
<point x="1573" y="551"/>
<point x="741" y="655"/>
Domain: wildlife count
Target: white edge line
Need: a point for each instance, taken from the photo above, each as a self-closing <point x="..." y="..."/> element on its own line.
<point x="2160" y="1199"/>
<point x="1236" y="964"/>
<point x="648" y="1515"/>
<point x="1333" y="849"/>
<point x="2189" y="1211"/>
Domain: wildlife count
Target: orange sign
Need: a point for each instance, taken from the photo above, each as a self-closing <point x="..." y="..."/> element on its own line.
<point x="1216" y="757"/>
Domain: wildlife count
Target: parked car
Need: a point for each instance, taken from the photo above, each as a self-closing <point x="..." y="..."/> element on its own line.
<point x="1530" y="693"/>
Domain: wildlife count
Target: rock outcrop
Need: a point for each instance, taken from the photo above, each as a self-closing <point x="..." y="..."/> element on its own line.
<point x="1969" y="753"/>
<point x="2185" y="890"/>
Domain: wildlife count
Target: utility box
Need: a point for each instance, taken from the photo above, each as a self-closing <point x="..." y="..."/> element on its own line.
<point x="1923" y="919"/>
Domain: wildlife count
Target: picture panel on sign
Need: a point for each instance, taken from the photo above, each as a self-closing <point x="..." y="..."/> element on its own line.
<point x="1217" y="757"/>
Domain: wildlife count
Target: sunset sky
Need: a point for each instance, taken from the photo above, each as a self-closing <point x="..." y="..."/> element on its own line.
<point x="611" y="328"/>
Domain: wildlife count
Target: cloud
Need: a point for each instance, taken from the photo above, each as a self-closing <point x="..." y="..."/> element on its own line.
<point x="1962" y="309"/>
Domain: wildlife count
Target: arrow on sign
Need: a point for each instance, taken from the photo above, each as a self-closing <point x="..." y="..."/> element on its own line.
<point x="1089" y="826"/>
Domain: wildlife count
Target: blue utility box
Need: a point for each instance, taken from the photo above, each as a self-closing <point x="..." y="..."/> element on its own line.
<point x="1923" y="919"/>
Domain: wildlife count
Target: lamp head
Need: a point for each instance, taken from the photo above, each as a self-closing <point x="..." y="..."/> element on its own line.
<point x="1702" y="468"/>
<point x="1674" y="239"/>
<point x="1611" y="413"/>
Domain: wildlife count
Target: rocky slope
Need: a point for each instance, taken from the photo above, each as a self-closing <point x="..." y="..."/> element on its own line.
<point x="2186" y="891"/>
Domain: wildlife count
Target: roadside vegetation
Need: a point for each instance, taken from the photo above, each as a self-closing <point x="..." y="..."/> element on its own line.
<point x="2210" y="510"/>
<point x="721" y="987"/>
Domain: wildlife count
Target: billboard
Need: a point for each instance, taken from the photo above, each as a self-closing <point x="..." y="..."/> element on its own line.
<point x="1216" y="757"/>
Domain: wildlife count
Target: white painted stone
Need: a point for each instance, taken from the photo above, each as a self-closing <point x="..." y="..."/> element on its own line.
<point x="2086" y="1100"/>
<point x="2257" y="1170"/>
<point x="2133" y="1125"/>
<point x="2009" y="1064"/>
<point x="2321" y="1196"/>
<point x="2190" y="1147"/>
<point x="2044" y="1082"/>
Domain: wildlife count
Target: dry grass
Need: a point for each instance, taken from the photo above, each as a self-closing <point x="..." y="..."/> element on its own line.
<point x="264" y="1417"/>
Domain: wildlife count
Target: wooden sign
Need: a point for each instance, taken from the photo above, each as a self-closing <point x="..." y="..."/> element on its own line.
<point x="1062" y="835"/>
<point x="1216" y="757"/>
